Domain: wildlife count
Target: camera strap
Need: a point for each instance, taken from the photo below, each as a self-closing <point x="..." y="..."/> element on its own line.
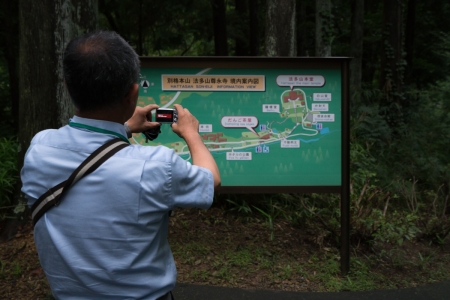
<point x="53" y="196"/>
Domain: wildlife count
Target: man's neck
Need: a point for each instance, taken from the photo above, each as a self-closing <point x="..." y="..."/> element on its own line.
<point x="105" y="115"/>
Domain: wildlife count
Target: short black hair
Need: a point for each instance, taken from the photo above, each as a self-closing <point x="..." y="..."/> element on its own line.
<point x="99" y="69"/>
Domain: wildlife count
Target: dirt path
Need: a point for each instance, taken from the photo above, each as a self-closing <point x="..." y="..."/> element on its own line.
<point x="217" y="248"/>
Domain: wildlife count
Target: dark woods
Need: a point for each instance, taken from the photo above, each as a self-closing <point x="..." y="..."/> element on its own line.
<point x="399" y="81"/>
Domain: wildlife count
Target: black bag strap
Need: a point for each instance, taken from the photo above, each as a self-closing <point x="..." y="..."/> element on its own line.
<point x="53" y="196"/>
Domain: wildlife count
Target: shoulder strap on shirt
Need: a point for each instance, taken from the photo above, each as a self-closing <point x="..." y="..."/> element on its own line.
<point x="53" y="196"/>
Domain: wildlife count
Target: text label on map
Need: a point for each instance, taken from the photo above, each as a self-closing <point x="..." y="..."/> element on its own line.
<point x="300" y="80"/>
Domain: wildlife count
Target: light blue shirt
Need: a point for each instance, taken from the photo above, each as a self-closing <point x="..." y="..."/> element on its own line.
<point x="107" y="239"/>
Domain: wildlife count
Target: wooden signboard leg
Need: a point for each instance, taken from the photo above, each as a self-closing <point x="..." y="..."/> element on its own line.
<point x="345" y="188"/>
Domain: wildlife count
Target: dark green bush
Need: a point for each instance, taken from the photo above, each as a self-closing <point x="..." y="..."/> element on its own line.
<point x="8" y="173"/>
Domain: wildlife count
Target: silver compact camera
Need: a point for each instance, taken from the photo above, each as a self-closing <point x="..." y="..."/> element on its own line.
<point x="166" y="115"/>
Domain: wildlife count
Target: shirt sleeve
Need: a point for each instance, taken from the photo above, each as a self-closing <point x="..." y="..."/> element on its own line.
<point x="33" y="172"/>
<point x="192" y="186"/>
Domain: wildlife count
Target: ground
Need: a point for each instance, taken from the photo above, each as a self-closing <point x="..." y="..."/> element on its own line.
<point x="219" y="247"/>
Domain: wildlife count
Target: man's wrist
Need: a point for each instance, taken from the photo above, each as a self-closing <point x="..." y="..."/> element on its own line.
<point x="191" y="135"/>
<point x="127" y="130"/>
<point x="193" y="138"/>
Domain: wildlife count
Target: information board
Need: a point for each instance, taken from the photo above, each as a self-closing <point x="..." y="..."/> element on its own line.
<point x="271" y="124"/>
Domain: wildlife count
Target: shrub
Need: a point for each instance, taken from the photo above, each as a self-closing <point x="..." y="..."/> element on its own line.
<point x="8" y="173"/>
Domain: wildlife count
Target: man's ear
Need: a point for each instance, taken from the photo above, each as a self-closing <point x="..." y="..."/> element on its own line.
<point x="133" y="94"/>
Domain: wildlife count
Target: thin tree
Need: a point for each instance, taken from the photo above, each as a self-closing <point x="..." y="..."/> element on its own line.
<point x="356" y="51"/>
<point x="281" y="28"/>
<point x="254" y="27"/>
<point x="410" y="35"/>
<point x="323" y="28"/>
<point x="220" y="27"/>
<point x="392" y="56"/>
<point x="301" y="29"/>
<point x="241" y="38"/>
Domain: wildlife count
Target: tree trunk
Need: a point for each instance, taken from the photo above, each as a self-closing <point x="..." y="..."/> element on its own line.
<point x="140" y="33"/>
<point x="301" y="30"/>
<point x="74" y="18"/>
<point x="46" y="27"/>
<point x="391" y="60"/>
<point x="254" y="27"/>
<point x="410" y="34"/>
<point x="356" y="43"/>
<point x="323" y="28"/>
<point x="220" y="28"/>
<point x="281" y="28"/>
<point x="9" y="45"/>
<point x="241" y="39"/>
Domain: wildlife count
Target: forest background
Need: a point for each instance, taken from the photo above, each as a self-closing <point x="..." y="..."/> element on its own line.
<point x="400" y="100"/>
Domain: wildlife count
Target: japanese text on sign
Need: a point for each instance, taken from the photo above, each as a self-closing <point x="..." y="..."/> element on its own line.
<point x="300" y="80"/>
<point x="323" y="118"/>
<point x="239" y="156"/>
<point x="213" y="83"/>
<point x="290" y="144"/>
<point x="319" y="107"/>
<point x="322" y="96"/>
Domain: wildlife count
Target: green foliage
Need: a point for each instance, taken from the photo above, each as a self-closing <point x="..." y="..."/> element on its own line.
<point x="430" y="64"/>
<point x="400" y="167"/>
<point x="6" y="121"/>
<point x="242" y="258"/>
<point x="328" y="26"/>
<point x="273" y="211"/>
<point x="396" y="229"/>
<point x="241" y="206"/>
<point x="161" y="28"/>
<point x="8" y="173"/>
<point x="322" y="210"/>
<point x="328" y="274"/>
<point x="10" y="269"/>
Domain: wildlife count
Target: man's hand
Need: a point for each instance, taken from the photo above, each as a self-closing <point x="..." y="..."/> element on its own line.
<point x="187" y="128"/>
<point x="142" y="119"/>
<point x="186" y="125"/>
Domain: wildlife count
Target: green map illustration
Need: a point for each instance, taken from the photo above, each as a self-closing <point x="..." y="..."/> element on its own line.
<point x="264" y="127"/>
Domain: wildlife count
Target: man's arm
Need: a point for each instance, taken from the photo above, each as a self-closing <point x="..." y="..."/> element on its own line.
<point x="187" y="128"/>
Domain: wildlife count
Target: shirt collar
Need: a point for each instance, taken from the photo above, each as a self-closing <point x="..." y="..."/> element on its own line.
<point x="101" y="124"/>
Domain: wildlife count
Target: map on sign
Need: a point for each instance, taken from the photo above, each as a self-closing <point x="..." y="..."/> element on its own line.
<point x="264" y="127"/>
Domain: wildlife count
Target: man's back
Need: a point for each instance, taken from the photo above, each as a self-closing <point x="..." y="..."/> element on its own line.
<point x="108" y="236"/>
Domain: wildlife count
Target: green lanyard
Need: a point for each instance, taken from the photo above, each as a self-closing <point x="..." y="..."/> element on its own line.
<point x="92" y="128"/>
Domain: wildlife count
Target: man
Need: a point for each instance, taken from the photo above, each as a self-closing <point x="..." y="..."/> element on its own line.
<point x="107" y="239"/>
